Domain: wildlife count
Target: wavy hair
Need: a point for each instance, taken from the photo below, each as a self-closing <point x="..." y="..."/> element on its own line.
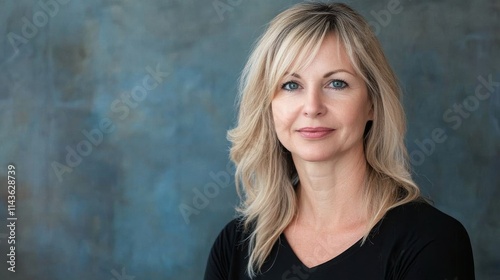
<point x="265" y="173"/>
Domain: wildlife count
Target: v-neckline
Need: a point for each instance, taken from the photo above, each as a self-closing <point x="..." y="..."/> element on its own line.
<point x="338" y="258"/>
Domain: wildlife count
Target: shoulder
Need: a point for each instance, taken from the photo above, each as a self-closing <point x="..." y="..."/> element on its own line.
<point x="426" y="243"/>
<point x="230" y="236"/>
<point x="231" y="230"/>
<point x="425" y="219"/>
<point x="226" y="250"/>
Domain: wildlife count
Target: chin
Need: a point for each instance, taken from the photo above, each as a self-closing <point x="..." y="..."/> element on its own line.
<point x="314" y="156"/>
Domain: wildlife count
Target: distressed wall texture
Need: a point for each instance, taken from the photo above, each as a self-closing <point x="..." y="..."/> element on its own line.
<point x="114" y="114"/>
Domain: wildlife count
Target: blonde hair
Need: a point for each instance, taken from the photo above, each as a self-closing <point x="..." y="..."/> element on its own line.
<point x="265" y="172"/>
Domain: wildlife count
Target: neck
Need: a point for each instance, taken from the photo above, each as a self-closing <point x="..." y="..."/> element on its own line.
<point x="330" y="194"/>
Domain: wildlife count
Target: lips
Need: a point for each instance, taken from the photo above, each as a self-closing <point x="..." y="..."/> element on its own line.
<point x="315" y="132"/>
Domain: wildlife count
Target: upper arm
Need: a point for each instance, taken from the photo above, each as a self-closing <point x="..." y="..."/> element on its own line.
<point x="447" y="257"/>
<point x="218" y="263"/>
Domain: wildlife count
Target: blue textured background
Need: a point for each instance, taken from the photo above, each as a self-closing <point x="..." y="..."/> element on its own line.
<point x="116" y="215"/>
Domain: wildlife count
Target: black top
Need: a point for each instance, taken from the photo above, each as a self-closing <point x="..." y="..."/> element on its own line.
<point x="412" y="241"/>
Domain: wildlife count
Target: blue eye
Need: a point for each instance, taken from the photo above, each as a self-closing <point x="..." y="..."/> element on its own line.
<point x="338" y="84"/>
<point x="290" y="86"/>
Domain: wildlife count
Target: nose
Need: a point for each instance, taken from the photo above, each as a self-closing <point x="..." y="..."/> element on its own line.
<point x="313" y="104"/>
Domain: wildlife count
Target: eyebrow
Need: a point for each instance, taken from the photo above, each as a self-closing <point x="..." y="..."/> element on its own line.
<point x="324" y="76"/>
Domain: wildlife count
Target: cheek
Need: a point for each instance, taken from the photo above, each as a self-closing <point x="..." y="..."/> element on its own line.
<point x="359" y="112"/>
<point x="281" y="116"/>
<point x="282" y="125"/>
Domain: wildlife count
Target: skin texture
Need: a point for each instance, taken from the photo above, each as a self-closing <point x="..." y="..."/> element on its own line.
<point x="319" y="102"/>
<point x="330" y="162"/>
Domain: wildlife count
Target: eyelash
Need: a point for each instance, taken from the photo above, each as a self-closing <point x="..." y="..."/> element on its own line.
<point x="335" y="80"/>
<point x="287" y="83"/>
<point x="339" y="80"/>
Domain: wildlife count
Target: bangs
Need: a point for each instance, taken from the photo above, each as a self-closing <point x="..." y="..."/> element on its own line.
<point x="296" y="45"/>
<point x="294" y="49"/>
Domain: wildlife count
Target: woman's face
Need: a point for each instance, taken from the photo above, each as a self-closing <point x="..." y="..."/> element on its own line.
<point x="321" y="111"/>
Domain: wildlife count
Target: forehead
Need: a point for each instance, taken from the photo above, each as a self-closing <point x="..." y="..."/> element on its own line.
<point x="330" y="55"/>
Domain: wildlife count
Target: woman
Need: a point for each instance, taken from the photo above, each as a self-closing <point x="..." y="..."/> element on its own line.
<point x="321" y="164"/>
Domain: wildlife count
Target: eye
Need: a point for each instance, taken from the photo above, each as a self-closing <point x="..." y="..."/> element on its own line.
<point x="337" y="84"/>
<point x="290" y="86"/>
